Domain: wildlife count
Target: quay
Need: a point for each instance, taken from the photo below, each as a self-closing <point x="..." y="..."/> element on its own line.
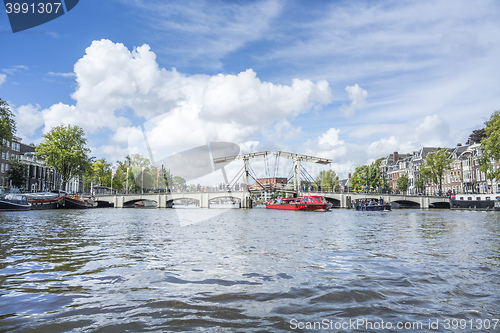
<point x="339" y="200"/>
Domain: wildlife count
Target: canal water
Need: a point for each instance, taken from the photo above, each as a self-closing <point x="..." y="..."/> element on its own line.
<point x="258" y="270"/>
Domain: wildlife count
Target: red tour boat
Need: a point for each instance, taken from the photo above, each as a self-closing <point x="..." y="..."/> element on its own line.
<point x="309" y="203"/>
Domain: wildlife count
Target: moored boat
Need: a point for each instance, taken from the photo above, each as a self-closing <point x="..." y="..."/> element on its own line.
<point x="305" y="203"/>
<point x="474" y="201"/>
<point x="74" y="202"/>
<point x="44" y="200"/>
<point x="14" y="202"/>
<point x="371" y="205"/>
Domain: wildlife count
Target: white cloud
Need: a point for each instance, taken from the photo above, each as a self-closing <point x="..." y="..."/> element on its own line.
<point x="66" y="75"/>
<point x="433" y="132"/>
<point x="13" y="69"/>
<point x="357" y="96"/>
<point x="3" y="79"/>
<point x="386" y="146"/>
<point x="179" y="111"/>
<point x="208" y="31"/>
<point x="28" y="118"/>
<point x="327" y="145"/>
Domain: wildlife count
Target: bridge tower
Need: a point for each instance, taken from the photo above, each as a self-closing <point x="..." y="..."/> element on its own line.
<point x="244" y="157"/>
<point x="297" y="158"/>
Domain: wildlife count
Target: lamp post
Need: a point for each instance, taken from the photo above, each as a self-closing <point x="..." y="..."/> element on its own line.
<point x="142" y="185"/>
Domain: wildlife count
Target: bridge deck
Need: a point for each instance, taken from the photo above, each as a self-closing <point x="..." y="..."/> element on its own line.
<point x="344" y="199"/>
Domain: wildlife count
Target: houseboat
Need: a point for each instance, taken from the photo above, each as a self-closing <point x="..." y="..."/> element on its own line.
<point x="475" y="201"/>
<point x="76" y="202"/>
<point x="44" y="200"/>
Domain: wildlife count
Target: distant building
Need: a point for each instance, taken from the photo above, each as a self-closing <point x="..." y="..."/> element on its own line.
<point x="275" y="180"/>
<point x="267" y="185"/>
<point x="40" y="177"/>
<point x="10" y="149"/>
<point x="464" y="175"/>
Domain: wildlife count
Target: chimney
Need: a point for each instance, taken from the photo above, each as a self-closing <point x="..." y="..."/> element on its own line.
<point x="396" y="156"/>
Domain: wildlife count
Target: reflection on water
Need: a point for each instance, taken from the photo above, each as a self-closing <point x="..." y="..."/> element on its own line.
<point x="245" y="270"/>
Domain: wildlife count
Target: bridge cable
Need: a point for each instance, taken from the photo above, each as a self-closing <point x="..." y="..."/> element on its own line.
<point x="311" y="177"/>
<point x="276" y="164"/>
<point x="236" y="177"/>
<point x="266" y="164"/>
<point x="257" y="182"/>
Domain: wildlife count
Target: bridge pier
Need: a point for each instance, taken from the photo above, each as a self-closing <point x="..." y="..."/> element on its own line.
<point x="424" y="202"/>
<point x="161" y="201"/>
<point x="204" y="201"/>
<point x="246" y="202"/>
<point x="118" y="202"/>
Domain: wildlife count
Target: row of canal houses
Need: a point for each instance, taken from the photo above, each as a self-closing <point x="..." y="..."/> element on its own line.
<point x="464" y="175"/>
<point x="40" y="176"/>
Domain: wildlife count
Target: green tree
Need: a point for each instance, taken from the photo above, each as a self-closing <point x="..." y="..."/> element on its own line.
<point x="7" y="123"/>
<point x="178" y="181"/>
<point x="120" y="179"/>
<point x="421" y="182"/>
<point x="328" y="180"/>
<point x="140" y="173"/>
<point x="18" y="173"/>
<point x="486" y="165"/>
<point x="64" y="149"/>
<point x="367" y="175"/>
<point x="491" y="142"/>
<point x="434" y="166"/>
<point x="99" y="173"/>
<point x="403" y="182"/>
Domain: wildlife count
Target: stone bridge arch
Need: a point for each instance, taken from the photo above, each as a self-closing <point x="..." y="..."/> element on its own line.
<point x="134" y="203"/>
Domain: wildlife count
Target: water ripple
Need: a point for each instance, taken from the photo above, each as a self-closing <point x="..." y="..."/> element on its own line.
<point x="244" y="270"/>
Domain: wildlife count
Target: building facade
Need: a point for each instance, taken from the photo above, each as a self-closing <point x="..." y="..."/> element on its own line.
<point x="11" y="149"/>
<point x="40" y="176"/>
<point x="464" y="175"/>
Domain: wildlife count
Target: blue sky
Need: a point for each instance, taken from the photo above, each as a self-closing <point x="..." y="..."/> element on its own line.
<point x="347" y="80"/>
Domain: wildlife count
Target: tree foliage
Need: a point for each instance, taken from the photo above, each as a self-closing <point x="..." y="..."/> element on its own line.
<point x="486" y="165"/>
<point x="490" y="146"/>
<point x="7" y="123"/>
<point x="403" y="182"/>
<point x="327" y="179"/>
<point x="491" y="142"/>
<point x="99" y="173"/>
<point x="434" y="166"/>
<point x="64" y="149"/>
<point x="477" y="136"/>
<point x="367" y="175"/>
<point x="18" y="172"/>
